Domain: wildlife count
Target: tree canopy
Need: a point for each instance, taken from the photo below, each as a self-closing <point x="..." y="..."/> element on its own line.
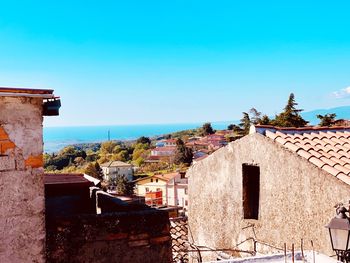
<point x="326" y="120"/>
<point x="207" y="129"/>
<point x="183" y="154"/>
<point x="290" y="117"/>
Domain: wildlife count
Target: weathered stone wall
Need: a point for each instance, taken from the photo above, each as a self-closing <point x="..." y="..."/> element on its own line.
<point x="296" y="198"/>
<point x="22" y="224"/>
<point x="138" y="237"/>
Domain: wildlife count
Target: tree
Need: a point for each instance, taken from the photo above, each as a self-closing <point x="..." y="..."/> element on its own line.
<point x="207" y="129"/>
<point x="245" y="123"/>
<point x="108" y="147"/>
<point x="144" y="140"/>
<point x="265" y="120"/>
<point x="255" y="116"/>
<point x="290" y="117"/>
<point x="123" y="186"/>
<point x="183" y="154"/>
<point x="94" y="170"/>
<point x="234" y="128"/>
<point x="326" y="120"/>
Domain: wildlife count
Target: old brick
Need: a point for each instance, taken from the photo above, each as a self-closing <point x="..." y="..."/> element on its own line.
<point x="117" y="236"/>
<point x="3" y="134"/>
<point x="138" y="243"/>
<point x="139" y="236"/>
<point x="35" y="161"/>
<point x="6" y="145"/>
<point x="159" y="240"/>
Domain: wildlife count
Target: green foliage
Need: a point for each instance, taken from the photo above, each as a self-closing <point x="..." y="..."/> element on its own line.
<point x="233" y="127"/>
<point x="144" y="140"/>
<point x="245" y="123"/>
<point x="255" y="116"/>
<point x="326" y="120"/>
<point x="183" y="154"/>
<point x="290" y="117"/>
<point x="123" y="186"/>
<point x="265" y="120"/>
<point x="207" y="129"/>
<point x="64" y="158"/>
<point x="107" y="147"/>
<point x="94" y="170"/>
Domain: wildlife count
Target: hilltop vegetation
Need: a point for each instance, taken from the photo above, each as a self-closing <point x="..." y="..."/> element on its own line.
<point x="88" y="157"/>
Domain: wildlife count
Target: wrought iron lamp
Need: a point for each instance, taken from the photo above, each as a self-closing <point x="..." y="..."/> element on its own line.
<point x="339" y="231"/>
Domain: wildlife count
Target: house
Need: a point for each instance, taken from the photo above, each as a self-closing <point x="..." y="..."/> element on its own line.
<point x="273" y="186"/>
<point x="165" y="154"/>
<point x="22" y="200"/>
<point x="166" y="143"/>
<point x="177" y="190"/>
<point x="166" y="189"/>
<point x="216" y="141"/>
<point x="113" y="169"/>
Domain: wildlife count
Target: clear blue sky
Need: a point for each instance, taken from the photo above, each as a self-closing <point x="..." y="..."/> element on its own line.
<point x="132" y="62"/>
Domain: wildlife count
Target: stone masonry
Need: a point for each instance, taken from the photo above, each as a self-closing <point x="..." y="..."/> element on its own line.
<point x="22" y="224"/>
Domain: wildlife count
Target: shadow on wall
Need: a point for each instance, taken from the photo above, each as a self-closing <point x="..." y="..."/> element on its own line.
<point x="85" y="224"/>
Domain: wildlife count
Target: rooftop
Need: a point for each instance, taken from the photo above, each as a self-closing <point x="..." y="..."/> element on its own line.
<point x="309" y="257"/>
<point x="25" y="92"/>
<point x="326" y="147"/>
<point x="116" y="164"/>
<point x="59" y="179"/>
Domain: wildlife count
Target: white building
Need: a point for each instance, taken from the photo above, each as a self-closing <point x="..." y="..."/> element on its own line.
<point x="113" y="169"/>
<point x="173" y="188"/>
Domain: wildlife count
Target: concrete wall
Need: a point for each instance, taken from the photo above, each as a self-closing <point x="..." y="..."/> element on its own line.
<point x="22" y="224"/>
<point x="296" y="198"/>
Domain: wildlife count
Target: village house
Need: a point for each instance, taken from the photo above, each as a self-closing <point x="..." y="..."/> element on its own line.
<point x="165" y="154"/>
<point x="22" y="206"/>
<point x="166" y="143"/>
<point x="166" y="189"/>
<point x="113" y="169"/>
<point x="273" y="186"/>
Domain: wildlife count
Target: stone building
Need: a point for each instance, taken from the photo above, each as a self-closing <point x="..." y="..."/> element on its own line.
<point x="22" y="206"/>
<point x="271" y="187"/>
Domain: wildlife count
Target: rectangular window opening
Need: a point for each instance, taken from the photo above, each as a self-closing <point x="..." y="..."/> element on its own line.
<point x="251" y="191"/>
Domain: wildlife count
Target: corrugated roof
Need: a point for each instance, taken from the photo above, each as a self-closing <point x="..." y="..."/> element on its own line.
<point x="327" y="148"/>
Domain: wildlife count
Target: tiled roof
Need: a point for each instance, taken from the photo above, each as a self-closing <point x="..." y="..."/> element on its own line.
<point x="179" y="237"/>
<point x="327" y="148"/>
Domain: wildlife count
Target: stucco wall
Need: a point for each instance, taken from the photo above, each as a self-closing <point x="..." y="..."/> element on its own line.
<point x="296" y="198"/>
<point x="22" y="225"/>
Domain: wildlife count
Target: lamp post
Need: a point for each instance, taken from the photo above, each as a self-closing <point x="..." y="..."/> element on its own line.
<point x="339" y="231"/>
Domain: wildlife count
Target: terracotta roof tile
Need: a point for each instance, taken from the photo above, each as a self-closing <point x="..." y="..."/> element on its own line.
<point x="316" y="162"/>
<point x="304" y="154"/>
<point x="327" y="148"/>
<point x="345" y="178"/>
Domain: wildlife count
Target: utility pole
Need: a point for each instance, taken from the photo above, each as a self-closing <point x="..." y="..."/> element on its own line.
<point x="109" y="135"/>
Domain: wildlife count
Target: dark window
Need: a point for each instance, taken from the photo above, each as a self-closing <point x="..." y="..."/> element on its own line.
<point x="251" y="189"/>
<point x="151" y="180"/>
<point x="156" y="180"/>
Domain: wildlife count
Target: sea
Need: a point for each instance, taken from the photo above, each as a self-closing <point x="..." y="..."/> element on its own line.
<point x="56" y="138"/>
